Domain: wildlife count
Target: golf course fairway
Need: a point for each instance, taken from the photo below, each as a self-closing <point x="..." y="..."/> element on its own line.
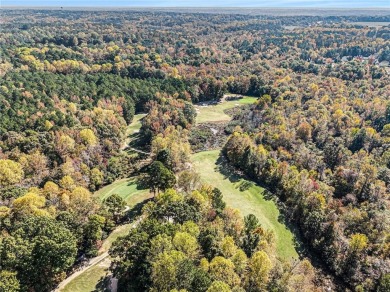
<point x="249" y="201"/>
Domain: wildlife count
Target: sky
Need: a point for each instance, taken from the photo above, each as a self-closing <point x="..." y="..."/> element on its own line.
<point x="203" y="3"/>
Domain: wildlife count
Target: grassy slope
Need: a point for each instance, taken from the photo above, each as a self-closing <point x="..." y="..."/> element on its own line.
<point x="118" y="232"/>
<point x="248" y="201"/>
<point x="135" y="124"/>
<point x="215" y="113"/>
<point x="126" y="188"/>
<point x="133" y="129"/>
<point x="87" y="281"/>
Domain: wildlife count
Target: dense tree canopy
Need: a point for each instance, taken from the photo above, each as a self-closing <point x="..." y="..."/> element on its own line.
<point x="171" y="248"/>
<point x="318" y="138"/>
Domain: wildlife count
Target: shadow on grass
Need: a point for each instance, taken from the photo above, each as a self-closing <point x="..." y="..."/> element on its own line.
<point x="135" y="211"/>
<point x="139" y="181"/>
<point x="227" y="170"/>
<point x="234" y="176"/>
<point x="136" y="140"/>
<point x="103" y="284"/>
<point x="297" y="238"/>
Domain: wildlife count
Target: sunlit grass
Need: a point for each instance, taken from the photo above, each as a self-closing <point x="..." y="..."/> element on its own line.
<point x="135" y="124"/>
<point x="133" y="129"/>
<point x="127" y="188"/>
<point x="215" y="113"/>
<point x="87" y="281"/>
<point x="248" y="201"/>
<point x="118" y="232"/>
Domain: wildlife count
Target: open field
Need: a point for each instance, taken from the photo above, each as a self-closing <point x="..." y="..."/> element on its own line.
<point x="248" y="201"/>
<point x="215" y="113"/>
<point x="127" y="188"/>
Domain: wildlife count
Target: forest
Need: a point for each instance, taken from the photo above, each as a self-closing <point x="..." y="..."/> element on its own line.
<point x="294" y="110"/>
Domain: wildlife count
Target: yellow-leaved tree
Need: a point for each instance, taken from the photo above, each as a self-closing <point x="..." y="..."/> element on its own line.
<point x="222" y="269"/>
<point x="260" y="267"/>
<point x="11" y="172"/>
<point x="88" y="137"/>
<point x="30" y="204"/>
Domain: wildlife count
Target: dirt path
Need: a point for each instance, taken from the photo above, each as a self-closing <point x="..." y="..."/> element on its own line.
<point x="91" y="263"/>
<point x="139" y="151"/>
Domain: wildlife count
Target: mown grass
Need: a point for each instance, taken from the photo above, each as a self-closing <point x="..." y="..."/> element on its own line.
<point x="215" y="113"/>
<point x="133" y="129"/>
<point x="127" y="188"/>
<point x="87" y="281"/>
<point x="118" y="232"/>
<point x="247" y="201"/>
<point x="135" y="124"/>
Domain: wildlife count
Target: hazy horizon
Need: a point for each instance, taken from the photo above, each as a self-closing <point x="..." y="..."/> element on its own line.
<point x="198" y="7"/>
<point x="332" y="4"/>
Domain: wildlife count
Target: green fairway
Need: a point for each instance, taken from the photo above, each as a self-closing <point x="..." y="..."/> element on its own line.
<point x="215" y="113"/>
<point x="133" y="130"/>
<point x="87" y="281"/>
<point x="247" y="201"/>
<point x="135" y="124"/>
<point x="127" y="188"/>
<point x="118" y="232"/>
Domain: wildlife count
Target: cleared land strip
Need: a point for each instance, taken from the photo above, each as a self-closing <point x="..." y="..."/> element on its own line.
<point x="207" y="113"/>
<point x="92" y="262"/>
<point x="249" y="200"/>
